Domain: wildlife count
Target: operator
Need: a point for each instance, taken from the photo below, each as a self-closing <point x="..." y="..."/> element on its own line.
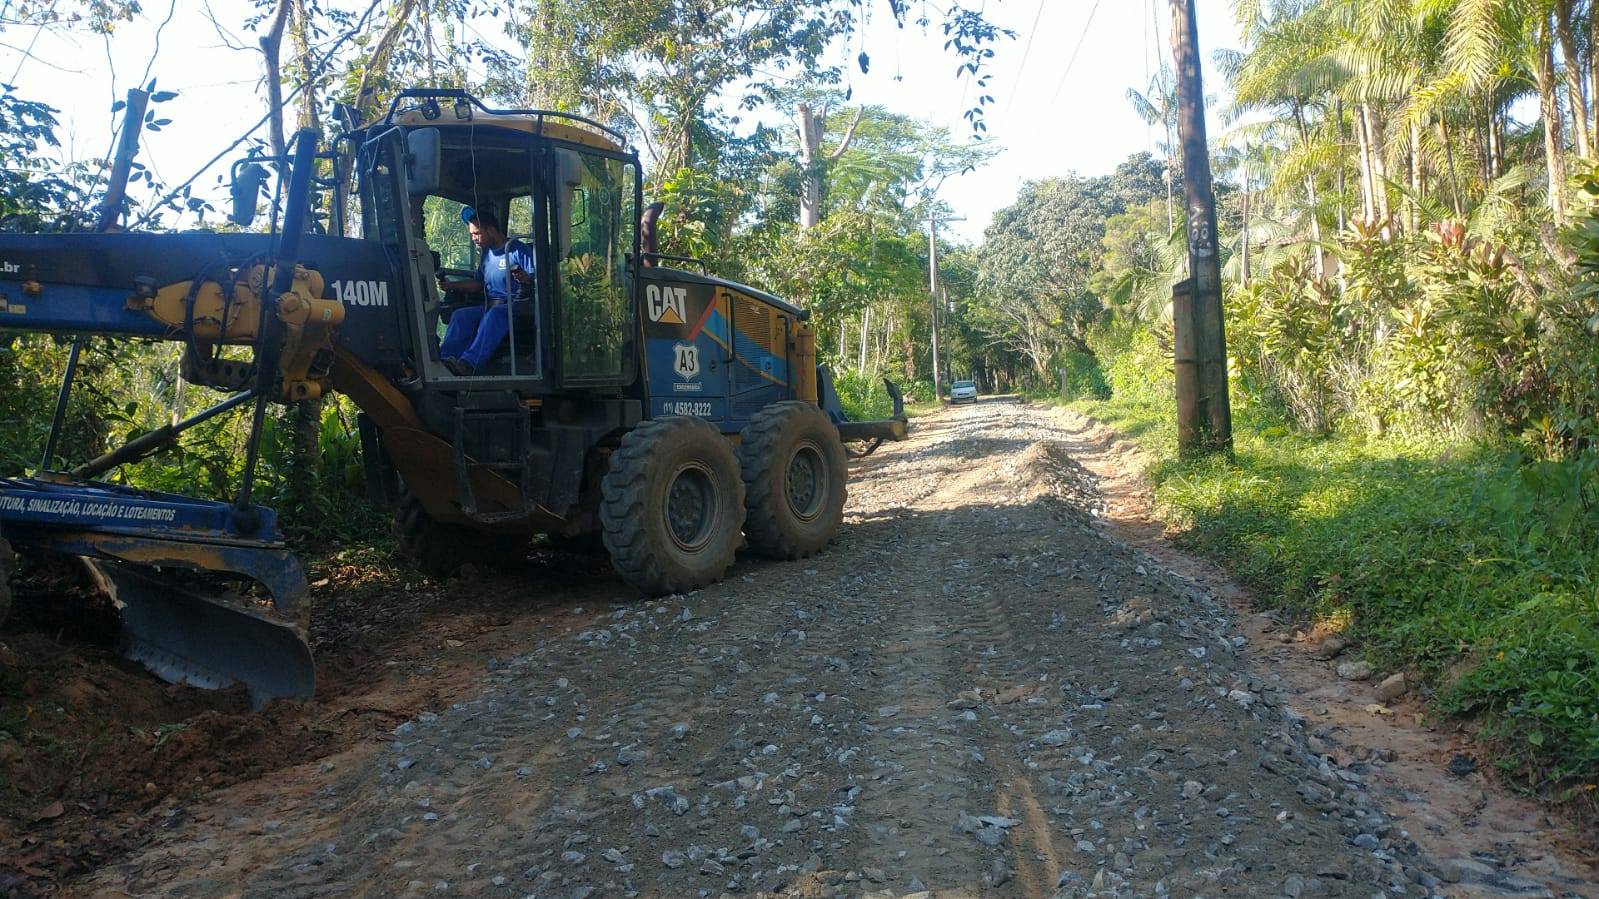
<point x="475" y="333"/>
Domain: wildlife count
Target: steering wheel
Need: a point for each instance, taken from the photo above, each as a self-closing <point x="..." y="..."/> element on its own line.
<point x="457" y="274"/>
<point x="456" y="297"/>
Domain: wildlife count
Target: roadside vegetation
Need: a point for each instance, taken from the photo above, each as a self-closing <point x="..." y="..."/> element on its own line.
<point x="1466" y="564"/>
<point x="1408" y="199"/>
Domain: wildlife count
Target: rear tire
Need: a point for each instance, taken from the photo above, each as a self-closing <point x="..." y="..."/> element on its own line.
<point x="795" y="473"/>
<point x="440" y="550"/>
<point x="672" y="506"/>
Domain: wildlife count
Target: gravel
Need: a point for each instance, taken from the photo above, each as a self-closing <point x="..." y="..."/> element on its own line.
<point x="975" y="690"/>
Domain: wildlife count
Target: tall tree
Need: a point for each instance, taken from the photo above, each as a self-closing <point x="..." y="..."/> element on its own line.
<point x="814" y="158"/>
<point x="1035" y="291"/>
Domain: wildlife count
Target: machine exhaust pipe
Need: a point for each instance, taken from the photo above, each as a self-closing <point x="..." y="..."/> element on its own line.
<point x="649" y="236"/>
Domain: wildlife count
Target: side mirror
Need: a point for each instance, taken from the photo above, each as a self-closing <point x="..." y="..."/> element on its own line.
<point x="246" y="191"/>
<point x="424" y="151"/>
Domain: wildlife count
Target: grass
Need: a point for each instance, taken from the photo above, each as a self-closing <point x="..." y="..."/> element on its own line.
<point x="1473" y="570"/>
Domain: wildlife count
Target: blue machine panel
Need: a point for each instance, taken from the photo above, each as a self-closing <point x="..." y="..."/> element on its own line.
<point x="698" y="360"/>
<point x="108" y="509"/>
<point x="70" y="307"/>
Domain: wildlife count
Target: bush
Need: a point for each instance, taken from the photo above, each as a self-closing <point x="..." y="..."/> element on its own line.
<point x="1476" y="571"/>
<point x="1081" y="377"/>
<point x="1288" y="333"/>
<point x="865" y="398"/>
<point x="1440" y="333"/>
<point x="1136" y="364"/>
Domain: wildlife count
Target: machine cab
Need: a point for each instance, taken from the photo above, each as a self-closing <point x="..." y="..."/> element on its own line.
<point x="559" y="190"/>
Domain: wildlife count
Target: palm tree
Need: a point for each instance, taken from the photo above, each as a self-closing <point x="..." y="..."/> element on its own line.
<point x="1159" y="107"/>
<point x="1288" y="71"/>
<point x="1498" y="49"/>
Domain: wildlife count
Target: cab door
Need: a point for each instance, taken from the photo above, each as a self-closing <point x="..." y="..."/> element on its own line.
<point x="592" y="236"/>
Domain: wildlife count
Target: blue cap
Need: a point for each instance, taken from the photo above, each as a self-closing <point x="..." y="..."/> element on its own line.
<point x="468" y="214"/>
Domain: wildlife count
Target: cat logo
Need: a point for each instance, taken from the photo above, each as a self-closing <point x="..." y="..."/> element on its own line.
<point x="686" y="361"/>
<point x="667" y="305"/>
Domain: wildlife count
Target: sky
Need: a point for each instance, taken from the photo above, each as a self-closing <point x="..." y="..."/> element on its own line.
<point x="1060" y="99"/>
<point x="1060" y="86"/>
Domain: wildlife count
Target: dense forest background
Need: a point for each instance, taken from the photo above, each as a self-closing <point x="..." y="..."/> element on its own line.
<point x="1410" y="223"/>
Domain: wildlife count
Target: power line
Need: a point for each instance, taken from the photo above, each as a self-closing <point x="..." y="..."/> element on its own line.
<point x="1149" y="47"/>
<point x="1027" y="49"/>
<point x="28" y="54"/>
<point x="1154" y="21"/>
<point x="1149" y="77"/>
<point x="1073" y="60"/>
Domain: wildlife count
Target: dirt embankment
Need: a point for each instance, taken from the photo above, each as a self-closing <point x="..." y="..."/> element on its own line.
<point x="97" y="755"/>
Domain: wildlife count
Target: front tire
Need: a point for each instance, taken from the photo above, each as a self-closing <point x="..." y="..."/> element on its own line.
<point x="672" y="506"/>
<point x="795" y="471"/>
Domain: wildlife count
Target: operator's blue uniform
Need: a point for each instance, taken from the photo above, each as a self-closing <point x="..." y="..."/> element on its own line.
<point x="475" y="333"/>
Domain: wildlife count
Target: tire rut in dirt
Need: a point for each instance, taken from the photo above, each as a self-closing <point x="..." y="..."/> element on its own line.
<point x="926" y="769"/>
<point x="1093" y="742"/>
<point x="679" y="812"/>
<point x="631" y="785"/>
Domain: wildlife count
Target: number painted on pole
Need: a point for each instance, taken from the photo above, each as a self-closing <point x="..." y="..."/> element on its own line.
<point x="1200" y="241"/>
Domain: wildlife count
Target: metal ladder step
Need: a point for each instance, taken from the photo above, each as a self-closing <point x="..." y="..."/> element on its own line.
<point x="464" y="466"/>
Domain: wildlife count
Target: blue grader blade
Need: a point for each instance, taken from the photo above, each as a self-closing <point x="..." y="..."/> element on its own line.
<point x="163" y="560"/>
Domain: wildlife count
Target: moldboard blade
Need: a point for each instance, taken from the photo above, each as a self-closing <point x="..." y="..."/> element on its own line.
<point x="206" y="640"/>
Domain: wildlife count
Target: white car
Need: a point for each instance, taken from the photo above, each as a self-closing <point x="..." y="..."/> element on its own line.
<point x="963" y="392"/>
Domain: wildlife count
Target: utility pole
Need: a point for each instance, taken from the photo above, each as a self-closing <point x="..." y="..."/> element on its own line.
<point x="932" y="291"/>
<point x="1204" y="413"/>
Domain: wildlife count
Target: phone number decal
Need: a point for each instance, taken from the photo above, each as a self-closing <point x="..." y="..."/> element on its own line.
<point x="698" y="410"/>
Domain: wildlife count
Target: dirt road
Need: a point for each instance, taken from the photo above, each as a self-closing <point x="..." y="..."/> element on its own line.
<point x="975" y="692"/>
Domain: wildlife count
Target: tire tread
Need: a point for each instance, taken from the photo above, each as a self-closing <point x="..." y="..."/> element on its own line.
<point x="625" y="526"/>
<point x="757" y="448"/>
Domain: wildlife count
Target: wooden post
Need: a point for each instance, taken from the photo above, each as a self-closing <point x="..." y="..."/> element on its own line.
<point x="127" y="147"/>
<point x="932" y="277"/>
<point x="1186" y="365"/>
<point x="1204" y="413"/>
